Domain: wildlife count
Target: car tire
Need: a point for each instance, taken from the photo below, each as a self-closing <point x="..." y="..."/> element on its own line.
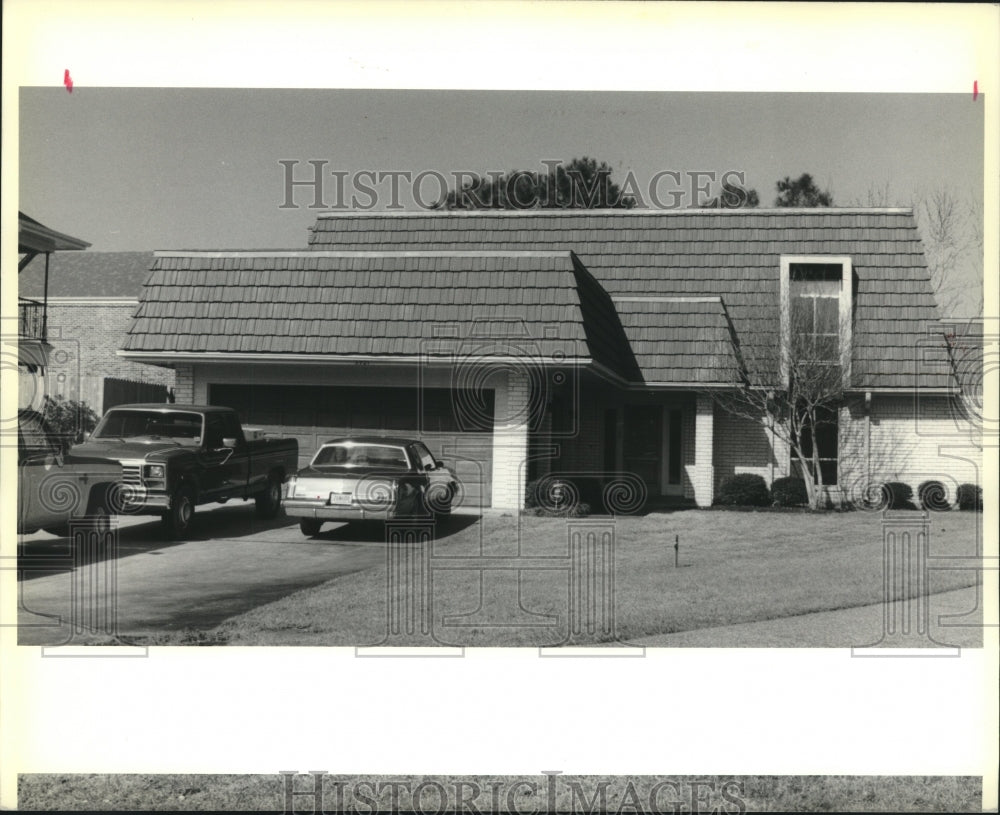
<point x="310" y="527"/>
<point x="177" y="520"/>
<point x="439" y="502"/>
<point x="268" y="503"/>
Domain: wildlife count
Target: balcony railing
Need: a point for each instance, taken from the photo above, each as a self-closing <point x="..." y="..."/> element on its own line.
<point x="32" y="319"/>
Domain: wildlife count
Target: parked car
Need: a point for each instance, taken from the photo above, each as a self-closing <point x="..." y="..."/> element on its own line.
<point x="176" y="457"/>
<point x="364" y="477"/>
<point x="52" y="486"/>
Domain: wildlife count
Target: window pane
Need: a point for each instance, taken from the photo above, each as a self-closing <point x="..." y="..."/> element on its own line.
<point x="829" y="470"/>
<point x="826" y="347"/>
<point x="803" y="321"/>
<point x="827" y="314"/>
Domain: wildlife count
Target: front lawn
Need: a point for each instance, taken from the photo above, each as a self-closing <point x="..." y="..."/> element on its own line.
<point x="734" y="568"/>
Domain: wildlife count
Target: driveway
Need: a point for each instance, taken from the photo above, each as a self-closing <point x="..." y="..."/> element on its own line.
<point x="234" y="562"/>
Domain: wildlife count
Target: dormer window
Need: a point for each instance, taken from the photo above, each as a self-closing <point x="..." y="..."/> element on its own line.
<point x="814" y="300"/>
<point x="816" y="311"/>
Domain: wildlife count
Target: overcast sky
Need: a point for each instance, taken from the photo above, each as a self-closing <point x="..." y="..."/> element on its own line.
<point x="142" y="169"/>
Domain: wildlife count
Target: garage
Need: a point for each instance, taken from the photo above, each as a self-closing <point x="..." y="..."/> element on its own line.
<point x="456" y="426"/>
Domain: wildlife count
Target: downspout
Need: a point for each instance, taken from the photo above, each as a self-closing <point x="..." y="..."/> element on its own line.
<point x="868" y="438"/>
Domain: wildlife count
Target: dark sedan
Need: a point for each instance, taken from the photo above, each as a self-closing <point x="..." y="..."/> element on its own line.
<point x="369" y="477"/>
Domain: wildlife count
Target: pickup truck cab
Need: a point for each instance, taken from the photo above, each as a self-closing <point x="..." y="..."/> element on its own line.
<point x="176" y="457"/>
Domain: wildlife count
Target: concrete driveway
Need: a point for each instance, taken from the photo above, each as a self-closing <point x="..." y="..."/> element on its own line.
<point x="146" y="585"/>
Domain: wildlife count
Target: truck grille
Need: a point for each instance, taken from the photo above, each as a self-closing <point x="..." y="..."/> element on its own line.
<point x="132" y="474"/>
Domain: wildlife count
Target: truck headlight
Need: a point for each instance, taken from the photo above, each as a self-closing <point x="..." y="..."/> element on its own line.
<point x="155" y="472"/>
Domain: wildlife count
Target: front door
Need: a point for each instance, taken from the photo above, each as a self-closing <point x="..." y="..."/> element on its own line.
<point x="642" y="445"/>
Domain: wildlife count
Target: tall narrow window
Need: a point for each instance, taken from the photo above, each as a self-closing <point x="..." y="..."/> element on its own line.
<point x="814" y="305"/>
<point x="821" y="436"/>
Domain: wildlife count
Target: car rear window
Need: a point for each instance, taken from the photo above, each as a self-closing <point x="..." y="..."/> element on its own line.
<point x="361" y="455"/>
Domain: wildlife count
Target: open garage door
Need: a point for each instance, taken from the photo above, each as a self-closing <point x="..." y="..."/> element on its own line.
<point x="456" y="427"/>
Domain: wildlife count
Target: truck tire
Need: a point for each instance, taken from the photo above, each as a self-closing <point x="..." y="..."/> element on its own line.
<point x="99" y="514"/>
<point x="268" y="503"/>
<point x="177" y="520"/>
<point x="310" y="526"/>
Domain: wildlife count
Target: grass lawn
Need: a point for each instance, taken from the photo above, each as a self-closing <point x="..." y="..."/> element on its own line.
<point x="793" y="793"/>
<point x="734" y="568"/>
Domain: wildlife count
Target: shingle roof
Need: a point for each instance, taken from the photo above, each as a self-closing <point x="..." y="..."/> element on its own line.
<point x="88" y="274"/>
<point x="382" y="304"/>
<point x="732" y="254"/>
<point x="680" y="340"/>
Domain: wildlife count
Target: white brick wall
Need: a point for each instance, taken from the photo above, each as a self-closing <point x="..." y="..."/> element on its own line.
<point x="510" y="441"/>
<point x="184" y="384"/>
<point x="909" y="438"/>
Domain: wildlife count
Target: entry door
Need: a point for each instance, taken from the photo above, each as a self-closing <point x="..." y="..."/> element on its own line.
<point x="642" y="445"/>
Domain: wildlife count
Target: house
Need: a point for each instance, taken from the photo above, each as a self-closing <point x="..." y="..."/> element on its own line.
<point x="91" y="298"/>
<point x="521" y="342"/>
<point x="34" y="350"/>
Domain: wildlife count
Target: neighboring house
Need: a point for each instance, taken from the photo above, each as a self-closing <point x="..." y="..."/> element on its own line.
<point x="521" y="342"/>
<point x="91" y="299"/>
<point x="34" y="350"/>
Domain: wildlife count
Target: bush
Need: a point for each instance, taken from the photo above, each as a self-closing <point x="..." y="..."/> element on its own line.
<point x="789" y="492"/>
<point x="900" y="495"/>
<point x="970" y="496"/>
<point x="745" y="490"/>
<point x="558" y="496"/>
<point x="68" y="419"/>
<point x="933" y="496"/>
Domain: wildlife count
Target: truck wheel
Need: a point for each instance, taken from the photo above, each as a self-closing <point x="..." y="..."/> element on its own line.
<point x="269" y="501"/>
<point x="177" y="519"/>
<point x="310" y="526"/>
<point x="99" y="514"/>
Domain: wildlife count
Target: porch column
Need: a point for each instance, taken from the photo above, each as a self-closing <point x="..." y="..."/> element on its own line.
<point x="510" y="440"/>
<point x="702" y="472"/>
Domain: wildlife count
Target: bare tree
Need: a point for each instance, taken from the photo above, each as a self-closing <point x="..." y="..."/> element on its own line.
<point x="795" y="386"/>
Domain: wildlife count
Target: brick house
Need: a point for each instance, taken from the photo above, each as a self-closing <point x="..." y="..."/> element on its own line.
<point x="91" y="299"/>
<point x="523" y="342"/>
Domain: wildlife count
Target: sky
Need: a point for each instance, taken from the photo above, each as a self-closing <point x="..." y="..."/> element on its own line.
<point x="139" y="169"/>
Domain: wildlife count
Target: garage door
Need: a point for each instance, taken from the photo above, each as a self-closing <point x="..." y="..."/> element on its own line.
<point x="457" y="427"/>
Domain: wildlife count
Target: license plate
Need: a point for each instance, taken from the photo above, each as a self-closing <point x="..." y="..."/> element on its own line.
<point x="340" y="498"/>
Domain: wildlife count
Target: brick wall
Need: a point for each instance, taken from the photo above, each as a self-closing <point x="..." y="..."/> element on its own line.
<point x="85" y="338"/>
<point x="744" y="446"/>
<point x="910" y="438"/>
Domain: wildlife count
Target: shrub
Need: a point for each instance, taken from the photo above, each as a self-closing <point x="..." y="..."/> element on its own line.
<point x="970" y="496"/>
<point x="68" y="419"/>
<point x="933" y="496"/>
<point x="558" y="496"/>
<point x="745" y="489"/>
<point x="900" y="495"/>
<point x="789" y="492"/>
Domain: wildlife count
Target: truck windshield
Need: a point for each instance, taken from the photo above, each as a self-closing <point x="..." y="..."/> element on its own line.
<point x="183" y="428"/>
<point x="361" y="455"/>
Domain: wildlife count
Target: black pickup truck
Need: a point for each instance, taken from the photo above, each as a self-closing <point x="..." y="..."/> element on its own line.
<point x="175" y="457"/>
